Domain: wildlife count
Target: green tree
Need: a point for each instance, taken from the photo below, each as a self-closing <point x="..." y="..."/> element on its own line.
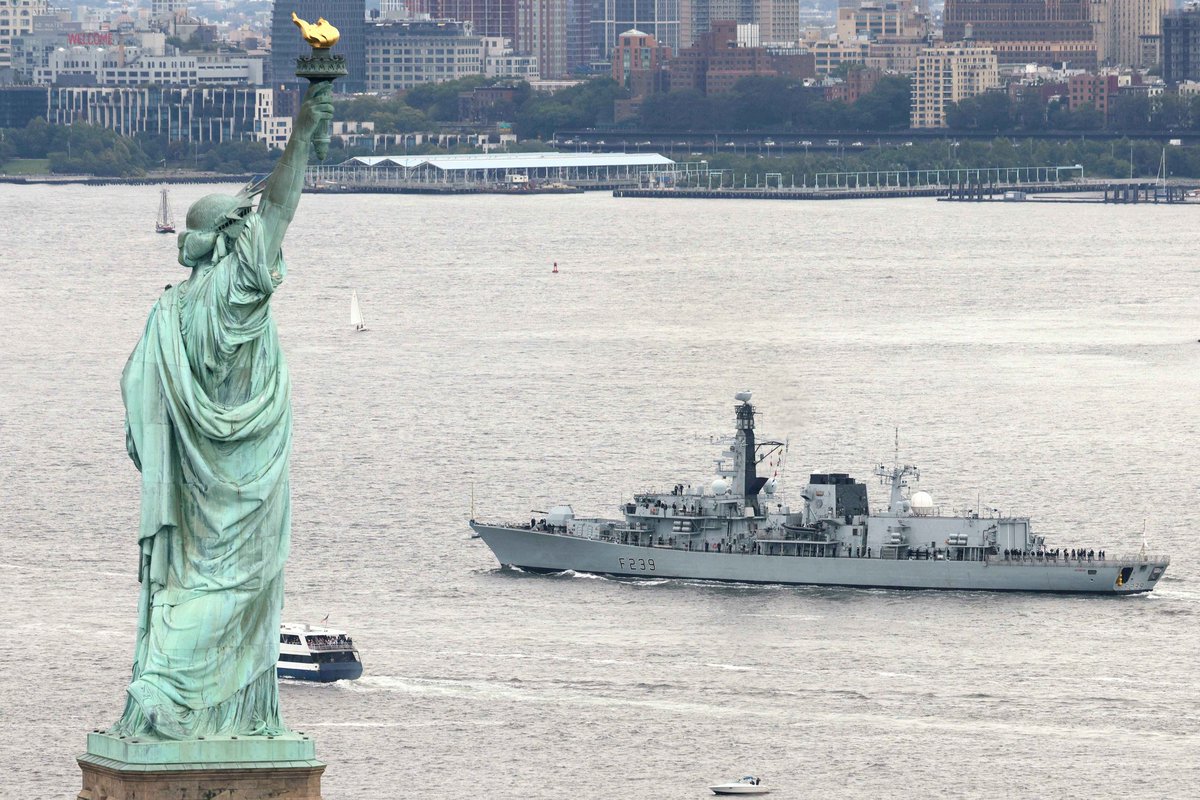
<point x="990" y="111"/>
<point x="886" y="106"/>
<point x="1170" y="112"/>
<point x="439" y="101"/>
<point x="1130" y="112"/>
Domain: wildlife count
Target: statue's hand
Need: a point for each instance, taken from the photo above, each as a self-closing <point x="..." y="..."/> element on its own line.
<point x="315" y="111"/>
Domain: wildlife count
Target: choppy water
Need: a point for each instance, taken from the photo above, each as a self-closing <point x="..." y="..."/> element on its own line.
<point x="1041" y="359"/>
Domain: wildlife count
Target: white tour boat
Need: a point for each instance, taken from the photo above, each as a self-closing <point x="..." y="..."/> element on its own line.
<point x="308" y="653"/>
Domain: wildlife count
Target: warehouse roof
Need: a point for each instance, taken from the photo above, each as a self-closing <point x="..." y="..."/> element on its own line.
<point x="516" y="161"/>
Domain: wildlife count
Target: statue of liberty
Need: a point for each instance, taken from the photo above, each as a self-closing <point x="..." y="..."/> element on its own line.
<point x="209" y="425"/>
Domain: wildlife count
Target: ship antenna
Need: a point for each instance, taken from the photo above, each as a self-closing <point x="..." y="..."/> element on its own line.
<point x="472" y="501"/>
<point x="896" y="462"/>
<point x="1143" y="553"/>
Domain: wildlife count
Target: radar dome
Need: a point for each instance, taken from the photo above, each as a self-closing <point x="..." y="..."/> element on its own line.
<point x="743" y="397"/>
<point x="922" y="502"/>
<point x="720" y="486"/>
<point x="770" y="486"/>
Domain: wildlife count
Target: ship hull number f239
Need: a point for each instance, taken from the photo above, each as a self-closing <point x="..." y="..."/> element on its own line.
<point x="636" y="564"/>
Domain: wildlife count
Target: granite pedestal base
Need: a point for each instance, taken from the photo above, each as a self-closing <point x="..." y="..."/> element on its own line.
<point x="216" y="768"/>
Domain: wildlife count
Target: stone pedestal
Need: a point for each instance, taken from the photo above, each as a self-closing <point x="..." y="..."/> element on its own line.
<point x="217" y="768"/>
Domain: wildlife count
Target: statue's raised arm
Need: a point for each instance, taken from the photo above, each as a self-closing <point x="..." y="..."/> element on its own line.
<point x="282" y="191"/>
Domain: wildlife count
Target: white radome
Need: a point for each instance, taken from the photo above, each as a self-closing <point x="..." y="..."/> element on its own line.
<point x="743" y="397"/>
<point x="720" y="486"/>
<point x="922" y="502"/>
<point x="770" y="486"/>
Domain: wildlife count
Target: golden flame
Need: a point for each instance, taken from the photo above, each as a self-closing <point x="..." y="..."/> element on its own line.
<point x="321" y="36"/>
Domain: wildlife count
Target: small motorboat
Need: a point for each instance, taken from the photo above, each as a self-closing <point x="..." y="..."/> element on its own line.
<point x="747" y="785"/>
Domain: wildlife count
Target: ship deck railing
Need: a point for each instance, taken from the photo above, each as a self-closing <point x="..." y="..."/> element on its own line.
<point x="1154" y="559"/>
<point x="322" y="648"/>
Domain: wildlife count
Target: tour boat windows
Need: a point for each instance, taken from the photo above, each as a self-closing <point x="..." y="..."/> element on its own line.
<point x="302" y="658"/>
<point x="289" y="638"/>
<point x="334" y="657"/>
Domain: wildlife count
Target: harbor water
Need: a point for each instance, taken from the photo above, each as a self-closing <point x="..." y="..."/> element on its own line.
<point x="1037" y="359"/>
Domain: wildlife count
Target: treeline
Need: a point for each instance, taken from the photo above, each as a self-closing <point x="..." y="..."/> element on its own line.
<point x="754" y="103"/>
<point x="766" y="103"/>
<point x="83" y="149"/>
<point x="534" y="115"/>
<point x="1029" y="112"/>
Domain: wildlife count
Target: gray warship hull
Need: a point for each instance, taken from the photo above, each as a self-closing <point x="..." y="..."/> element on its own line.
<point x="546" y="551"/>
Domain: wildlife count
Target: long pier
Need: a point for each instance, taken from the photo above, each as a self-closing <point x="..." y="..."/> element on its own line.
<point x="1104" y="191"/>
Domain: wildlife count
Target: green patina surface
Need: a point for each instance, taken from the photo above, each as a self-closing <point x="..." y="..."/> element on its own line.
<point x="209" y="425"/>
<point x="218" y="750"/>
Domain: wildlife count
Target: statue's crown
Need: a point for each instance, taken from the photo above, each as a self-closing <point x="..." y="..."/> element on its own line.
<point x="214" y="211"/>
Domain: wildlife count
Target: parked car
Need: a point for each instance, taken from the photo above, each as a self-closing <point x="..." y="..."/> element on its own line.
<point x="856" y="144"/>
<point x="805" y="143"/>
<point x="832" y="142"/>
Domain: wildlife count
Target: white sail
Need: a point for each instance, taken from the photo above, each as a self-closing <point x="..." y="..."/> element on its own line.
<point x="356" y="317"/>
<point x="166" y="220"/>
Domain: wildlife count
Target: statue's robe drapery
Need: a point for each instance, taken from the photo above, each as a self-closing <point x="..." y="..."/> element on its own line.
<point x="209" y="424"/>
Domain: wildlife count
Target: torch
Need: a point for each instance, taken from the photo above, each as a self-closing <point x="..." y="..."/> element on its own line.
<point x="320" y="67"/>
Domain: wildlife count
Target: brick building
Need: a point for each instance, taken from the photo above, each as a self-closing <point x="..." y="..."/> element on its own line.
<point x="1027" y="31"/>
<point x="716" y="62"/>
<point x="639" y="62"/>
<point x="859" y="81"/>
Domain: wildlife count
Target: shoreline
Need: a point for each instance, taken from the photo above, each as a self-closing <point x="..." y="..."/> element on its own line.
<point x="144" y="180"/>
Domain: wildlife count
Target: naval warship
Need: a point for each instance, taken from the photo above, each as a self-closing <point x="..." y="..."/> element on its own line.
<point x="738" y="529"/>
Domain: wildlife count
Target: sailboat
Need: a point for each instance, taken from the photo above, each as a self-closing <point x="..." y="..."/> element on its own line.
<point x="166" y="220"/>
<point x="356" y="316"/>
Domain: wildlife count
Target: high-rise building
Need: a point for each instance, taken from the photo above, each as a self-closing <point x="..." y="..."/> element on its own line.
<point x="882" y="21"/>
<point x="542" y="32"/>
<point x="611" y="18"/>
<point x="950" y="74"/>
<point x="1133" y="26"/>
<point x="16" y="18"/>
<point x="580" y="52"/>
<point x="161" y="10"/>
<point x="778" y="21"/>
<point x="487" y="17"/>
<point x="348" y="16"/>
<point x="1026" y="31"/>
<point x="1181" y="46"/>
<point x="897" y="32"/>
<point x="401" y="55"/>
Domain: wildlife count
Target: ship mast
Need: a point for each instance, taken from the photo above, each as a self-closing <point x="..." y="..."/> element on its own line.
<point x="746" y="482"/>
